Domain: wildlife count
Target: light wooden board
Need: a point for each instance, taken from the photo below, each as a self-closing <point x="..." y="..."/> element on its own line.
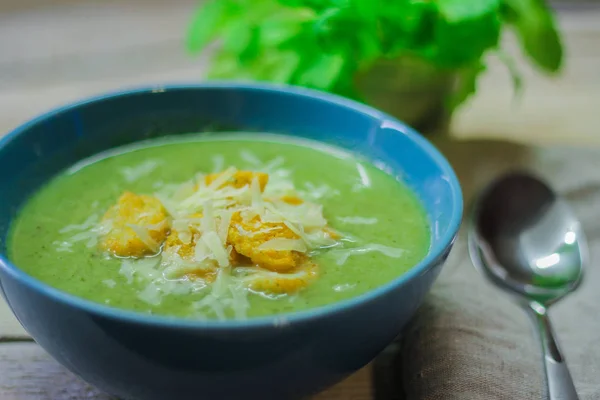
<point x="29" y="373"/>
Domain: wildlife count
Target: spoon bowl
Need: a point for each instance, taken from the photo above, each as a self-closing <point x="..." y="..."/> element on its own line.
<point x="527" y="241"/>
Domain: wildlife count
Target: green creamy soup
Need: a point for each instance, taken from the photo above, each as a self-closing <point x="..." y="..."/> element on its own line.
<point x="381" y="226"/>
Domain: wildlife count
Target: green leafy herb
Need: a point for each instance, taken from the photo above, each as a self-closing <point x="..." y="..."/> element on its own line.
<point x="466" y="83"/>
<point x="537" y="32"/>
<point x="464" y="31"/>
<point x="325" y="44"/>
<point x="510" y="65"/>
<point x="207" y="23"/>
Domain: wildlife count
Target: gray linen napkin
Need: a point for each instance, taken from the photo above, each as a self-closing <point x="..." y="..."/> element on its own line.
<point x="469" y="341"/>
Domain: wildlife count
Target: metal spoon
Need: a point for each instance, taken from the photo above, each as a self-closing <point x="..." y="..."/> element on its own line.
<point x="526" y="239"/>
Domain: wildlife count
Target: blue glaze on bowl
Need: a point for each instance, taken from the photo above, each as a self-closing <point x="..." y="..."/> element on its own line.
<point x="139" y="356"/>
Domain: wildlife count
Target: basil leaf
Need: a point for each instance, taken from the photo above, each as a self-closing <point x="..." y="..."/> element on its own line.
<point x="515" y="75"/>
<point x="537" y="32"/>
<point x="466" y="84"/>
<point x="464" y="31"/>
<point x="206" y="24"/>
<point x="324" y="44"/>
<point x="323" y="74"/>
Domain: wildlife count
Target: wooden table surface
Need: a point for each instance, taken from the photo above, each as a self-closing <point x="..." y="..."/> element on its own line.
<point x="50" y="55"/>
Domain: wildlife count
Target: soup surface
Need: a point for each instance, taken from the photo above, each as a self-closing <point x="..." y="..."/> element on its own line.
<point x="220" y="226"/>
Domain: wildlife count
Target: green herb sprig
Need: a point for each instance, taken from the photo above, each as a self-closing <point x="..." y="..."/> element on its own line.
<point x="324" y="44"/>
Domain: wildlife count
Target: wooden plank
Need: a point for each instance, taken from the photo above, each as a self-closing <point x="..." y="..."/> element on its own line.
<point x="67" y="52"/>
<point x="356" y="387"/>
<point x="29" y="373"/>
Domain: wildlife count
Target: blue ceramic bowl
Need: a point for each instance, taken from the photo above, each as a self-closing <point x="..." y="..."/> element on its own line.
<point x="131" y="355"/>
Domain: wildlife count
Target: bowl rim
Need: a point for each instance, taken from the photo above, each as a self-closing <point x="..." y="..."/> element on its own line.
<point x="435" y="253"/>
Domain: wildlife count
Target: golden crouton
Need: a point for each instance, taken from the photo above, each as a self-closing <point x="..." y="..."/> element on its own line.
<point x="174" y="245"/>
<point x="138" y="226"/>
<point x="284" y="283"/>
<point x="241" y="179"/>
<point x="247" y="236"/>
<point x="186" y="251"/>
<point x="236" y="259"/>
<point x="292" y="200"/>
<point x="209" y="275"/>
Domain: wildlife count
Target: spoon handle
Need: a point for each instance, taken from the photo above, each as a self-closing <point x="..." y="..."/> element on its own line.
<point x="558" y="378"/>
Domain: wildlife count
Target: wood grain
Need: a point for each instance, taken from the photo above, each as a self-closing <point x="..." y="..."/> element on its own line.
<point x="29" y="373"/>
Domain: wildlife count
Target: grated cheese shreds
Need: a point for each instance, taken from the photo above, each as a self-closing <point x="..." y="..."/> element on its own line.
<point x="213" y="304"/>
<point x="208" y="219"/>
<point x="63" y="246"/>
<point x="223" y="178"/>
<point x="110" y="283"/>
<point x="127" y="270"/>
<point x="218" y="163"/>
<point x="343" y="254"/>
<point x="239" y="301"/>
<point x="230" y="234"/>
<point x="201" y="251"/>
<point x="315" y="240"/>
<point x="250" y="158"/>
<point x="227" y="293"/>
<point x="132" y="174"/>
<point x="221" y="283"/>
<point x="296" y="230"/>
<point x="151" y="294"/>
<point x="273" y="165"/>
<point x="167" y="204"/>
<point x="250" y="273"/>
<point x="357" y="220"/>
<point x="88" y="232"/>
<point x="90" y="222"/>
<point x="146" y="268"/>
<point x="317" y="192"/>
<point x="342" y="287"/>
<point x="144" y="235"/>
<point x="258" y="205"/>
<point x="214" y="244"/>
<point x="224" y="222"/>
<point x="82" y="236"/>
<point x="284" y="244"/>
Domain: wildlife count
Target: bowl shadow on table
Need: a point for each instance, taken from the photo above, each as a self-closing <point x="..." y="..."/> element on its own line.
<point x="477" y="162"/>
<point x="403" y="365"/>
